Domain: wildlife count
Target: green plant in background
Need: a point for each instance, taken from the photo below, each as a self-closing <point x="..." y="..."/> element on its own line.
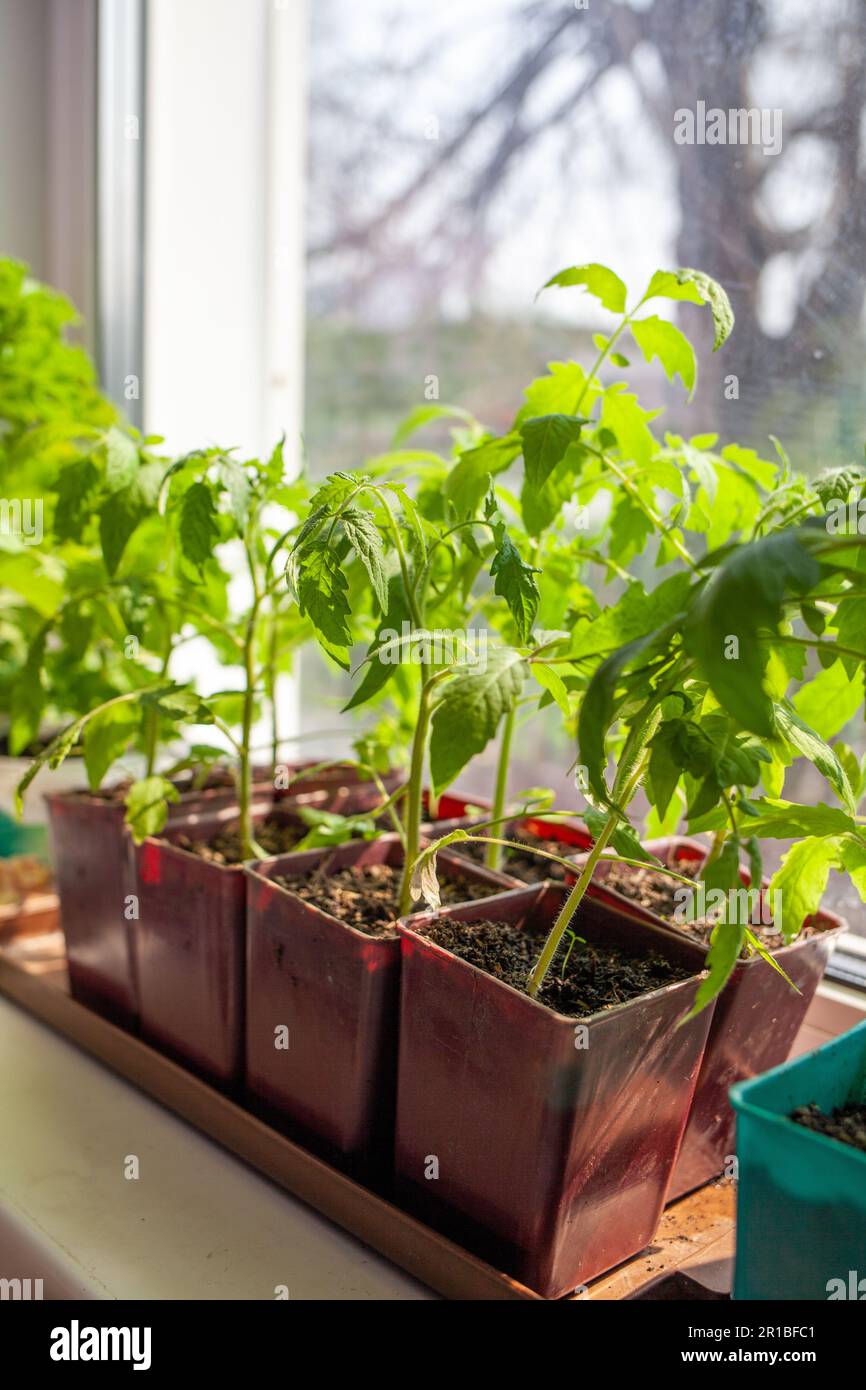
<point x="168" y="584"/>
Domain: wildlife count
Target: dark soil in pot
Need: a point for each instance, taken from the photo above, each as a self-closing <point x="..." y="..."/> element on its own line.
<point x="324" y="964"/>
<point x="553" y="1140"/>
<point x="367" y="897"/>
<point x="276" y="835"/>
<point x="658" y="894"/>
<point x="594" y="977"/>
<point x="736" y="1047"/>
<point x="847" y="1123"/>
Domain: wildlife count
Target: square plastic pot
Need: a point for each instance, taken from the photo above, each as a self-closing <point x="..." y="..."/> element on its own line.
<point x="322" y="1009"/>
<point x="801" y="1196"/>
<point x="756" y="1020"/>
<point x="543" y="1143"/>
<point x="190" y="950"/>
<point x="94" y="869"/>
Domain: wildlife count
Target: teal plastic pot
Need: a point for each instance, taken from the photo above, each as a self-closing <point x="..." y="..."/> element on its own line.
<point x="801" y="1198"/>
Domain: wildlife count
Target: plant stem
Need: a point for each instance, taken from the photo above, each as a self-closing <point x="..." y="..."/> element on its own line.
<point x="271" y="686"/>
<point x="414" y="799"/>
<point x="493" y="853"/>
<point x="575" y="897"/>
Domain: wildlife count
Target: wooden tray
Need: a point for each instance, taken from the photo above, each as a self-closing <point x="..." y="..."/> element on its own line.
<point x="695" y="1235"/>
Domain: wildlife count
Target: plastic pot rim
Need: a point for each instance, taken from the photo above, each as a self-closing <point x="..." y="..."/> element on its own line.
<point x="406" y="929"/>
<point x="742" y="1104"/>
<point x="255" y="870"/>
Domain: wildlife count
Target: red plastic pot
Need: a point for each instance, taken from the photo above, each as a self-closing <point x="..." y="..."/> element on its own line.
<point x="190" y="948"/>
<point x="454" y="812"/>
<point x="756" y="1020"/>
<point x="335" y="990"/>
<point x="551" y="1157"/>
<point x="93" y="866"/>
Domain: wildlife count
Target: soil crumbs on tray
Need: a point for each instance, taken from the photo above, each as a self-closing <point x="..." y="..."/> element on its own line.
<point x="522" y="864"/>
<point x="276" y="835"/>
<point x="596" y="977"/>
<point x="847" y="1123"/>
<point x="366" y="896"/>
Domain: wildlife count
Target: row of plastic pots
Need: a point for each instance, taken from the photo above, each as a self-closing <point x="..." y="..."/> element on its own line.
<point x="547" y="1148"/>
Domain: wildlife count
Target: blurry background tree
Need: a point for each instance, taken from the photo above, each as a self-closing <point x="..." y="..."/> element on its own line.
<point x="459" y="151"/>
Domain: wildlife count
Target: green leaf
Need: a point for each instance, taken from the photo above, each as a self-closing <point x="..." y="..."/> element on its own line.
<point x="635" y="614"/>
<point x="657" y="338"/>
<point x="106" y="738"/>
<point x="321" y="588"/>
<point x="622" y="414"/>
<point x="665" y="768"/>
<point x="698" y="288"/>
<point x="198" y="530"/>
<point x="545" y="442"/>
<point x="723" y="629"/>
<point x="363" y="535"/>
<point x="178" y="703"/>
<point x="516" y="584"/>
<point x="819" y="753"/>
<point x="121" y="459"/>
<point x="423" y="415"/>
<point x="831" y="699"/>
<point x="799" y="884"/>
<point x="550" y="681"/>
<point x="724" y="872"/>
<point x="379" y="670"/>
<point x="852" y="852"/>
<point x="147" y="806"/>
<point x="598" y="708"/>
<point x="623" y="841"/>
<point x="237" y="484"/>
<point x="782" y="820"/>
<point x="598" y="280"/>
<point x="125" y="510"/>
<point x="468" y="482"/>
<point x="75" y="488"/>
<point x="850" y="624"/>
<point x="725" y="947"/>
<point x="469" y="712"/>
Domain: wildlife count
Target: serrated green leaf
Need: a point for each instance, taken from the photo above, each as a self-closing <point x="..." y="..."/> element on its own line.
<point x="121" y="459"/>
<point x="546" y="440"/>
<point x="363" y="535"/>
<point x="550" y="681"/>
<point x="598" y="280"/>
<point x="147" y="803"/>
<point x="470" y="710"/>
<point x="515" y="582"/>
<point x="798" y="885"/>
<point x="198" y="527"/>
<point x="424" y="415"/>
<point x="106" y="738"/>
<point x="378" y="670"/>
<point x="725" y="947"/>
<point x="699" y="288"/>
<point x="830" y="700"/>
<point x="322" y="590"/>
<point x="808" y="742"/>
<point x="744" y="596"/>
<point x="658" y="338"/>
<point x="852" y="853"/>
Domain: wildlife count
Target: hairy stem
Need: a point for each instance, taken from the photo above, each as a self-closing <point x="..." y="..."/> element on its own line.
<point x="493" y="853"/>
<point x="575" y="897"/>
